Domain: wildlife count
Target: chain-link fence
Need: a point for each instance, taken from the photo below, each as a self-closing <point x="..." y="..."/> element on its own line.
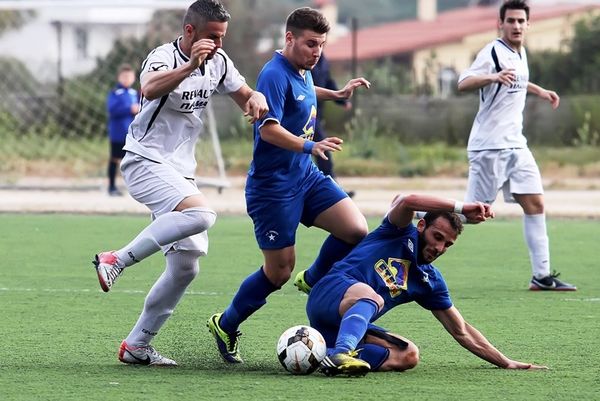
<point x="59" y="62"/>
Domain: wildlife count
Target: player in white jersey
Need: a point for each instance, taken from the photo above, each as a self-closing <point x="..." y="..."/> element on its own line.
<point x="498" y="154"/>
<point x="177" y="82"/>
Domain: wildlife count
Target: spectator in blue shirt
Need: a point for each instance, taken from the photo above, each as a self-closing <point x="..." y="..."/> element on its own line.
<point x="321" y="74"/>
<point x="122" y="105"/>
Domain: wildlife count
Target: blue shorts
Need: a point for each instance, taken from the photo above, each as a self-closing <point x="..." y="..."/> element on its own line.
<point x="276" y="219"/>
<point x="323" y="306"/>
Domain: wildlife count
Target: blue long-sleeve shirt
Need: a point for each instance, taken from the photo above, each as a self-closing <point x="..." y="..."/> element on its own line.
<point x="118" y="104"/>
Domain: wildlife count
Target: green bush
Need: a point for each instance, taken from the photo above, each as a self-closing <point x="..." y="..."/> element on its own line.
<point x="422" y="120"/>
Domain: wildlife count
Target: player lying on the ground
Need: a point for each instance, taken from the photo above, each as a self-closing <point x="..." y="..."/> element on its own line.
<point x="390" y="267"/>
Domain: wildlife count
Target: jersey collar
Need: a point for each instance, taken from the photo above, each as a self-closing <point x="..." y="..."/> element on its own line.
<point x="178" y="48"/>
<point x="279" y="55"/>
<point x="508" y="47"/>
<point x="186" y="58"/>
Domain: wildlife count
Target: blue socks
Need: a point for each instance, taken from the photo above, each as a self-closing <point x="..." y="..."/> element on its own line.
<point x="354" y="325"/>
<point x="251" y="296"/>
<point x="332" y="250"/>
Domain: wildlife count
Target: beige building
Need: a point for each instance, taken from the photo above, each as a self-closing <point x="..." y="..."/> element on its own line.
<point x="437" y="46"/>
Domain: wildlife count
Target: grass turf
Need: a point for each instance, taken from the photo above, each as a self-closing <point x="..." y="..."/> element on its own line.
<point x="60" y="333"/>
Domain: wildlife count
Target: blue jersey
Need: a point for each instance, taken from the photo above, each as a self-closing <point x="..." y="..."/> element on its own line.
<point x="386" y="260"/>
<point x="118" y="105"/>
<point x="293" y="104"/>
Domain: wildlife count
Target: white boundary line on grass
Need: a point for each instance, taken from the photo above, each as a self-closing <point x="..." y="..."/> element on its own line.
<point x="583" y="299"/>
<point x="143" y="292"/>
<point x="201" y="293"/>
<point x="87" y="290"/>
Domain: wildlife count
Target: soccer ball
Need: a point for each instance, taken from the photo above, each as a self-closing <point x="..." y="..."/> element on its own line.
<point x="301" y="349"/>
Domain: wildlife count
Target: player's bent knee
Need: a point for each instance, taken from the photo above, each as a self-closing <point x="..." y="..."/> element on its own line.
<point x="360" y="233"/>
<point x="400" y="360"/>
<point x="204" y="218"/>
<point x="279" y="279"/>
<point x="411" y="359"/>
<point x="279" y="273"/>
<point x="182" y="265"/>
<point x="356" y="234"/>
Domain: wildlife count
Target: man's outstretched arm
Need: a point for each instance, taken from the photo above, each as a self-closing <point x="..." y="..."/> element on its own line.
<point x="345" y="93"/>
<point x="545" y="94"/>
<point x="253" y="103"/>
<point x="404" y="207"/>
<point x="470" y="338"/>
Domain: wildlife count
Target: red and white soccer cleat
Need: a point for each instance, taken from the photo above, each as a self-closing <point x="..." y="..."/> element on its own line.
<point x="143" y="356"/>
<point x="108" y="269"/>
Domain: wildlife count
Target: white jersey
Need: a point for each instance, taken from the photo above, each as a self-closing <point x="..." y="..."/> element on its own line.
<point x="166" y="129"/>
<point x="499" y="121"/>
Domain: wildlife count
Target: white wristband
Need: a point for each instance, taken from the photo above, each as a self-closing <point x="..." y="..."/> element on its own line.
<point x="458" y="207"/>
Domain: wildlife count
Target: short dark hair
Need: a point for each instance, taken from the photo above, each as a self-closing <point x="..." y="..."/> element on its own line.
<point x="306" y="18"/>
<point x="203" y="11"/>
<point x="124" y="68"/>
<point x="514" y="5"/>
<point x="452" y="218"/>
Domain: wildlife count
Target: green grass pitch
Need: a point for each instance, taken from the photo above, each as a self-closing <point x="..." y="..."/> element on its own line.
<point x="60" y="333"/>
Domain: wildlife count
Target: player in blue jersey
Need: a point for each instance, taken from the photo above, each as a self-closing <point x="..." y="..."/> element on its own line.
<point x="390" y="267"/>
<point x="284" y="187"/>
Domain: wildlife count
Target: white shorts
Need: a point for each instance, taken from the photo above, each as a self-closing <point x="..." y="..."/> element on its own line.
<point x="512" y="170"/>
<point x="161" y="188"/>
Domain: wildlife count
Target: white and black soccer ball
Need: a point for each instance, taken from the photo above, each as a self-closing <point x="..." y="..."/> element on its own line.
<point x="301" y="349"/>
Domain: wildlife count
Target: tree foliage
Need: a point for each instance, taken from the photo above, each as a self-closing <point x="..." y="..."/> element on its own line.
<point x="12" y="19"/>
<point x="575" y="71"/>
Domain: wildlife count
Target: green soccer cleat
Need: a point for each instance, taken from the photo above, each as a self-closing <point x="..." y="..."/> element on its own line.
<point x="344" y="363"/>
<point x="301" y="284"/>
<point x="227" y="343"/>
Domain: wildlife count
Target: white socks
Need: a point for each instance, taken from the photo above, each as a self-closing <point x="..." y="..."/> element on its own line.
<point x="169" y="227"/>
<point x="182" y="267"/>
<point x="536" y="237"/>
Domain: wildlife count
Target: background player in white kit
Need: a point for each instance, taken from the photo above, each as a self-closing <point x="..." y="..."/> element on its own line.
<point x="498" y="154"/>
<point x="177" y="81"/>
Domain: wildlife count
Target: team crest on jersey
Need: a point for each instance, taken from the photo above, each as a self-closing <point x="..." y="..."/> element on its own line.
<point x="394" y="273"/>
<point x="309" y="128"/>
<point x="272" y="235"/>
